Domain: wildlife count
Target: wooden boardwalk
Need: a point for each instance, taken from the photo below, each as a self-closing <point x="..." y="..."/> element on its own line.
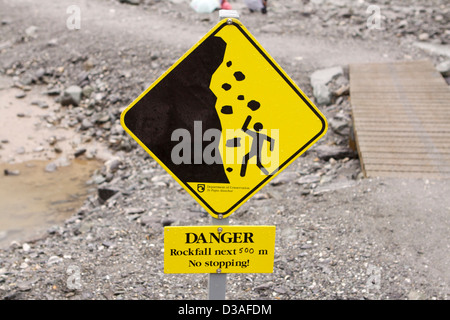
<point x="401" y="118"/>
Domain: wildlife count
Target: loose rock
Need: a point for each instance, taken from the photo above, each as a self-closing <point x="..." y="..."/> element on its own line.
<point x="71" y="96"/>
<point x="444" y="68"/>
<point x="326" y="152"/>
<point x="51" y="167"/>
<point x="319" y="81"/>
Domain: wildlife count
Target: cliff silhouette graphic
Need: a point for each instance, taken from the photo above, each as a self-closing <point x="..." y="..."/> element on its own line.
<point x="182" y="97"/>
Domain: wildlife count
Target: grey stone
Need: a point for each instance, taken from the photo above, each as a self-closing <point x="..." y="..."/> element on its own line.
<point x="416" y="295"/>
<point x="107" y="244"/>
<point x="133" y="217"/>
<point x="444" y="68"/>
<point x="340" y="126"/>
<point x="325" y="76"/>
<point x="102" y="118"/>
<point x="134" y="210"/>
<point x="6" y="44"/>
<point x="52" y="42"/>
<point x="54" y="260"/>
<point x="164" y="178"/>
<point x="31" y="31"/>
<point x="41" y="104"/>
<point x="322" y="94"/>
<point x="21" y="95"/>
<point x="53" y="92"/>
<point x="284" y="177"/>
<point x="147" y="220"/>
<point x="72" y="95"/>
<point x="334" y="186"/>
<point x="264" y="286"/>
<point x="7" y="172"/>
<point x="79" y="152"/>
<point x="281" y="290"/>
<point x="51" y="167"/>
<point x="87" y="91"/>
<point x="25" y="286"/>
<point x="83" y="77"/>
<point x="86" y="124"/>
<point x="113" y="164"/>
<point x="62" y="162"/>
<point x="39" y="73"/>
<point x="167" y="222"/>
<point x="319" y="81"/>
<point x="261" y="196"/>
<point x="98" y="179"/>
<point x="133" y="2"/>
<point x="438" y="49"/>
<point x="423" y="36"/>
<point x="308" y="179"/>
<point x="326" y="152"/>
<point x="20" y="150"/>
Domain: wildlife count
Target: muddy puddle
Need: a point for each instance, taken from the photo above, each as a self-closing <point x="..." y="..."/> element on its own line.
<point x="32" y="199"/>
<point x="42" y="182"/>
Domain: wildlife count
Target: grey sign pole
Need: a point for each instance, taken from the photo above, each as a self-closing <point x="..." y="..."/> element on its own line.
<point x="217" y="282"/>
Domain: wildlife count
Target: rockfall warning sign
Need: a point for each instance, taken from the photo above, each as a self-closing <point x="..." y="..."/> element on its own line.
<point x="224" y="120"/>
<point x="219" y="249"/>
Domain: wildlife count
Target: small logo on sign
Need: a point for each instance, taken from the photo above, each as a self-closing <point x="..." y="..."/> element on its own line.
<point x="200" y="188"/>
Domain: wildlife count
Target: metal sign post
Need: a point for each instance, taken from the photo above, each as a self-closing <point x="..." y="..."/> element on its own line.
<point x="217" y="282"/>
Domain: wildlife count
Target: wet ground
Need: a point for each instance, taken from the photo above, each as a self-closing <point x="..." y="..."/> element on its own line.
<point x="32" y="199"/>
<point x="44" y="164"/>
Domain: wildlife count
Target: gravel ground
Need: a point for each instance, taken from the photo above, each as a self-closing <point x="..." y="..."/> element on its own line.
<point x="339" y="235"/>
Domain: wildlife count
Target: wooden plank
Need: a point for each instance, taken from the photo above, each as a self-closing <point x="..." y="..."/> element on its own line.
<point x="404" y="149"/>
<point x="393" y="95"/>
<point x="411" y="129"/>
<point x="393" y="64"/>
<point x="389" y="104"/>
<point x="406" y="161"/>
<point x="373" y="112"/>
<point x="400" y="80"/>
<point x="445" y="144"/>
<point x="386" y="89"/>
<point x="378" y="156"/>
<point x="405" y="168"/>
<point x="408" y="175"/>
<point x="400" y="136"/>
<point x="401" y="139"/>
<point x="393" y="67"/>
<point x="398" y="76"/>
<point x="401" y="120"/>
<point x="390" y="118"/>
<point x="389" y="70"/>
<point x="393" y="84"/>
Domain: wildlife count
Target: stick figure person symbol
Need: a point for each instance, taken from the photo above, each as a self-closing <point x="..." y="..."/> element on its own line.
<point x="257" y="144"/>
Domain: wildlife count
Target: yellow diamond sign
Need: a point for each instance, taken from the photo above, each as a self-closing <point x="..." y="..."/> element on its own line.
<point x="225" y="119"/>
